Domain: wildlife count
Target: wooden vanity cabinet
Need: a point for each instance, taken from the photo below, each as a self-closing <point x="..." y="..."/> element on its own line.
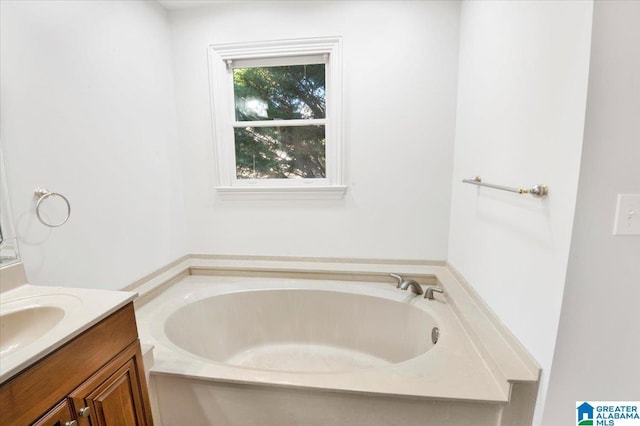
<point x="114" y="395"/>
<point x="60" y="415"/>
<point x="97" y="379"/>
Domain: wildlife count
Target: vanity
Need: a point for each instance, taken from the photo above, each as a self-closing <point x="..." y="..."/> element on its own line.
<point x="69" y="357"/>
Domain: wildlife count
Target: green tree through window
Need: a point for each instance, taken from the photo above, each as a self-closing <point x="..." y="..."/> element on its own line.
<point x="293" y="93"/>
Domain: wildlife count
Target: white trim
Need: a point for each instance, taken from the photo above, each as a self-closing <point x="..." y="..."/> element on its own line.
<point x="279" y="183"/>
<point x="275" y="61"/>
<point x="282" y="123"/>
<point x="278" y="48"/>
<point x="334" y="192"/>
<point x="223" y="118"/>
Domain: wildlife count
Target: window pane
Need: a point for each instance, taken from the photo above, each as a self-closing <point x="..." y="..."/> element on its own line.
<point x="280" y="152"/>
<point x="279" y="93"/>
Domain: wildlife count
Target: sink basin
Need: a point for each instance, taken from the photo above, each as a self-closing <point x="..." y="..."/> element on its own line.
<point x="37" y="320"/>
<point x="24" y="326"/>
<point x="30" y="319"/>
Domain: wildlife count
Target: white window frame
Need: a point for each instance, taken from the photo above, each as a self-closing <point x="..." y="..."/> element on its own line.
<point x="271" y="53"/>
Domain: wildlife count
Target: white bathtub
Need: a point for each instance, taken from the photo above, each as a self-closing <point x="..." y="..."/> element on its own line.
<point x="301" y="329"/>
<point x="248" y="350"/>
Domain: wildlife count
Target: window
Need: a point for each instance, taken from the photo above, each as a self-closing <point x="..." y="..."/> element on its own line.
<point x="277" y="112"/>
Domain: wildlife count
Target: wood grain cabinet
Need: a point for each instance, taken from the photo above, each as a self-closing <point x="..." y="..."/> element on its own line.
<point x="60" y="415"/>
<point x="97" y="379"/>
<point x="115" y="394"/>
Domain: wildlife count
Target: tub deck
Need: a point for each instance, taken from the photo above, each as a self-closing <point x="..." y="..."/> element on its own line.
<point x="478" y="372"/>
<point x="452" y="370"/>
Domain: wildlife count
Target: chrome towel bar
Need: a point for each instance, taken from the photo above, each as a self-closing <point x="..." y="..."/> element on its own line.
<point x="537" y="191"/>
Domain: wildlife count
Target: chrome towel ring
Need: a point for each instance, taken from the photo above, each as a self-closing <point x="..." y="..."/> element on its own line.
<point x="42" y="194"/>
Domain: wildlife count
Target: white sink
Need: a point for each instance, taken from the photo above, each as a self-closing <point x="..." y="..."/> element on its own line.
<point x="19" y="328"/>
<point x="37" y="320"/>
<point x="26" y="320"/>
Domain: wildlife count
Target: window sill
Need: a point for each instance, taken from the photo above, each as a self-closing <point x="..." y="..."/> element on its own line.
<point x="335" y="192"/>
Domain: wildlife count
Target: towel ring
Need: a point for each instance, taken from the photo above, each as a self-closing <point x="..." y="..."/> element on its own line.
<point x="42" y="194"/>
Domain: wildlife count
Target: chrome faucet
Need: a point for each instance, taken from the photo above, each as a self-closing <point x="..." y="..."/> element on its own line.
<point x="430" y="290"/>
<point x="404" y="284"/>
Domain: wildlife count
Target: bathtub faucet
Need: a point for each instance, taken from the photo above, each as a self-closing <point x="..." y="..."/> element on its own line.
<point x="404" y="284"/>
<point x="430" y="290"/>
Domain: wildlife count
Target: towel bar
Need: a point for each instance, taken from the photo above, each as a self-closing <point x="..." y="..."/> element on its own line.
<point x="537" y="191"/>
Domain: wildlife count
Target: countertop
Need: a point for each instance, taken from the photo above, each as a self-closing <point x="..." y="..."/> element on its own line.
<point x="75" y="309"/>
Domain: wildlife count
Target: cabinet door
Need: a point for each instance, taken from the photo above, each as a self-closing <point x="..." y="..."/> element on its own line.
<point x="116" y="395"/>
<point x="60" y="415"/>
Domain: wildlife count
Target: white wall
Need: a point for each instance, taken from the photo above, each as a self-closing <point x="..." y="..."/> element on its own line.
<point x="521" y="99"/>
<point x="88" y="109"/>
<point x="400" y="61"/>
<point x="598" y="348"/>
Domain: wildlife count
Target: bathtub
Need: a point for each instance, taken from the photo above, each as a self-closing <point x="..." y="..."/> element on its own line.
<point x="244" y="350"/>
<point x="301" y="329"/>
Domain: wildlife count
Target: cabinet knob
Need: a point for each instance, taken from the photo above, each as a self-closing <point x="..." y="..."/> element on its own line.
<point x="71" y="423"/>
<point x="84" y="412"/>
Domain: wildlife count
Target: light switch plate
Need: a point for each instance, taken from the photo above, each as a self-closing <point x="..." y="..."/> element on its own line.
<point x="627" y="220"/>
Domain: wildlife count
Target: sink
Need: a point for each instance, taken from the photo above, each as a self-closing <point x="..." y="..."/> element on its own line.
<point x="37" y="320"/>
<point x="26" y="320"/>
<point x="19" y="328"/>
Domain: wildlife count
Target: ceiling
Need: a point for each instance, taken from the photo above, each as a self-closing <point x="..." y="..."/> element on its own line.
<point x="185" y="4"/>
